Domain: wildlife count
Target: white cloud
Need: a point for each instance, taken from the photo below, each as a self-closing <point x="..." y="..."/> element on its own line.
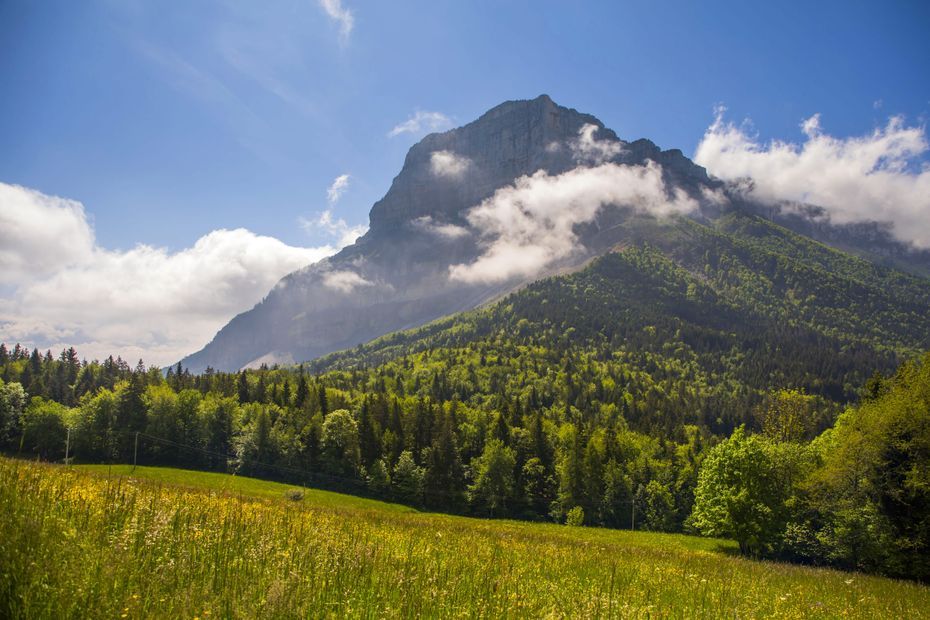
<point x="39" y="234"/>
<point x="448" y="164"/>
<point x="587" y="149"/>
<point x="145" y="302"/>
<point x="340" y="15"/>
<point x="529" y="226"/>
<point x="338" y="187"/>
<point x="344" y="280"/>
<point x="422" y="121"/>
<point x="336" y="228"/>
<point x="447" y="231"/>
<point x="876" y="177"/>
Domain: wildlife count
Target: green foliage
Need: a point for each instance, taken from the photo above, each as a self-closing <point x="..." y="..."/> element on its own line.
<point x="407" y="480"/>
<point x="340" y="443"/>
<point x="379" y="480"/>
<point x="43" y="427"/>
<point x="575" y="517"/>
<point x="12" y="404"/>
<point x="743" y="492"/>
<point x="872" y="489"/>
<point x="788" y="416"/>
<point x="493" y="488"/>
<point x="657" y="507"/>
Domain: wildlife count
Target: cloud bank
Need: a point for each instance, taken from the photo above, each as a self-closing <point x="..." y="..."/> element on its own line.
<point x="875" y="177"/>
<point x="448" y="164"/>
<point x="146" y="302"/>
<point x="528" y="226"/>
<point x="421" y="121"/>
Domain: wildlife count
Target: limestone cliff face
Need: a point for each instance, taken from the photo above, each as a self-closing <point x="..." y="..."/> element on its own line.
<point x="397" y="275"/>
<point x="507" y="142"/>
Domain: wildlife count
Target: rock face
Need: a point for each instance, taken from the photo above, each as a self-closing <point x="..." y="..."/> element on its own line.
<point x="397" y="275"/>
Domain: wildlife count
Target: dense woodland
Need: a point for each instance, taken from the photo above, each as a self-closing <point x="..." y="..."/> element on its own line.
<point x="727" y="381"/>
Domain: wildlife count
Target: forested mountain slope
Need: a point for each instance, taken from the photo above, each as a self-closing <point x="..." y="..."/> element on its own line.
<point x="684" y="321"/>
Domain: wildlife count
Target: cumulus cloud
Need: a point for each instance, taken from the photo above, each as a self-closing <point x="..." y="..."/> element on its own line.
<point x="421" y="121"/>
<point x="145" y="302"/>
<point x="447" y="231"/>
<point x="587" y="149"/>
<point x="448" y="164"/>
<point x="344" y="281"/>
<point x="528" y="226"/>
<point x="39" y="234"/>
<point x="338" y="187"/>
<point x="341" y="15"/>
<point x="875" y="177"/>
<point x="336" y="228"/>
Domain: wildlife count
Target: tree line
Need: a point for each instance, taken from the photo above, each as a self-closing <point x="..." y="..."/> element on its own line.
<point x="854" y="494"/>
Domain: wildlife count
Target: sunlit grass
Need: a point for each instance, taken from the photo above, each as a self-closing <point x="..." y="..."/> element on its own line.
<point x="238" y="484"/>
<point x="85" y="544"/>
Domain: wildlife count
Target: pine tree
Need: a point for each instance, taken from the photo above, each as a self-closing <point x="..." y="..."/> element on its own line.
<point x="321" y="396"/>
<point x="444" y="483"/>
<point x="243" y="388"/>
<point x="303" y="392"/>
<point x="501" y="429"/>
<point x="369" y="444"/>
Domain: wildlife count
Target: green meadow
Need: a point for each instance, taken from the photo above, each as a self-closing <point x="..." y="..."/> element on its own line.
<point x="108" y="542"/>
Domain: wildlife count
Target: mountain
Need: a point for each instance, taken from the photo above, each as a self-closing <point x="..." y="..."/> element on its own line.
<point x="397" y="275"/>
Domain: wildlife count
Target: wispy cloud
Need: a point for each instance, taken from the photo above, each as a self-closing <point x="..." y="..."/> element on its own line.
<point x="587" y="149"/>
<point x="529" y="226"/>
<point x="202" y="85"/>
<point x="344" y="281"/>
<point x="876" y="177"/>
<point x="272" y="56"/>
<point x="421" y="121"/>
<point x="428" y="225"/>
<point x="338" y="187"/>
<point x="144" y="302"/>
<point x="337" y="228"/>
<point x="341" y="15"/>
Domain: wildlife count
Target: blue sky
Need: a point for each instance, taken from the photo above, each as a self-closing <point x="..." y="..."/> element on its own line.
<point x="169" y="120"/>
<point x="164" y="163"/>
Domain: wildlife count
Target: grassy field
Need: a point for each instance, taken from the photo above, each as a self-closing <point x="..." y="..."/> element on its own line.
<point x="235" y="485"/>
<point x="93" y="543"/>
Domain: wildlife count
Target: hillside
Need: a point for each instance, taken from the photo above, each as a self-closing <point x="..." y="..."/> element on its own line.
<point x="691" y="322"/>
<point x="88" y="545"/>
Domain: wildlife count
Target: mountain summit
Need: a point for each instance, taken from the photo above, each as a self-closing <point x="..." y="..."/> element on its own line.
<point x="457" y="196"/>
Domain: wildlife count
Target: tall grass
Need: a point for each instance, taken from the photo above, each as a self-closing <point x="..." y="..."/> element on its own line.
<point x="86" y="545"/>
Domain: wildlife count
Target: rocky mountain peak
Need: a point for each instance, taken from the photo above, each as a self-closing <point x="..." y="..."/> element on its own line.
<point x="450" y="171"/>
